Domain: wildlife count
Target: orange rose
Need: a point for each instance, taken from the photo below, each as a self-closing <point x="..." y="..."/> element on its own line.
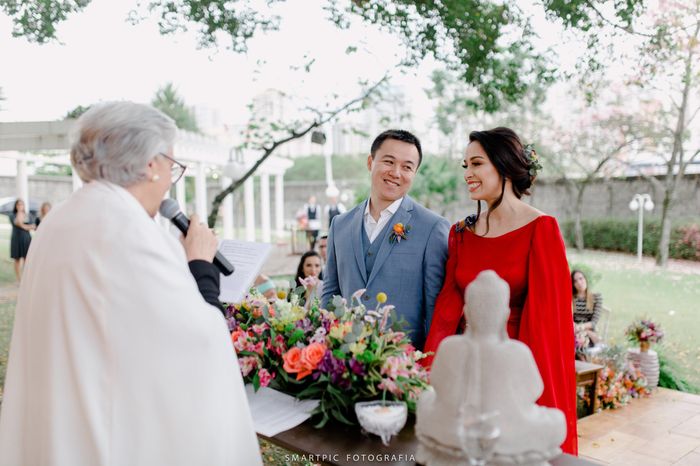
<point x="398" y="229"/>
<point x="292" y="360"/>
<point x="311" y="355"/>
<point x="235" y="335"/>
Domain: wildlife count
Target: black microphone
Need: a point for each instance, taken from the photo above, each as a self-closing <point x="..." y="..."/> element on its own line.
<point x="170" y="210"/>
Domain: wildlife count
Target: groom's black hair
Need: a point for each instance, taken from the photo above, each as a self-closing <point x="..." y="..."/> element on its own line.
<point x="399" y="135"/>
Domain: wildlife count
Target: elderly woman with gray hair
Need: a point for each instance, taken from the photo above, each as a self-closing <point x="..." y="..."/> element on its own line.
<point x="116" y="357"/>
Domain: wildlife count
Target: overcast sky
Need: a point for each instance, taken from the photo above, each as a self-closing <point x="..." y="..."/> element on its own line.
<point x="103" y="57"/>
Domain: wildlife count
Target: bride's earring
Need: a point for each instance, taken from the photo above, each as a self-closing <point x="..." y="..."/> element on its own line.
<point x="155" y="177"/>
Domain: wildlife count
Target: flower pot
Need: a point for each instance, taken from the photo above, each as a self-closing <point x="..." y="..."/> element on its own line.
<point x="648" y="363"/>
<point x="644" y="346"/>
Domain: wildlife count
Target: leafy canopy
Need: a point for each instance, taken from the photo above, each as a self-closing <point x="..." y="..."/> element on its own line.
<point x="489" y="43"/>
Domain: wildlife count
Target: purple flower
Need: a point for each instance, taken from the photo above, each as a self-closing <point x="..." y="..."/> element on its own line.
<point x="332" y="366"/>
<point x="356" y="367"/>
<point x="231" y="324"/>
<point x="305" y="324"/>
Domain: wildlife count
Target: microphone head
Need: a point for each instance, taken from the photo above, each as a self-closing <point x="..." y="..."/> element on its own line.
<point x="169" y="208"/>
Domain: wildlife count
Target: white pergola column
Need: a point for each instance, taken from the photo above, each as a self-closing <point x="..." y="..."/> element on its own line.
<point x="180" y="195"/>
<point x="200" y="192"/>
<point x="265" y="207"/>
<point x="227" y="209"/>
<point x="77" y="182"/>
<point x="279" y="204"/>
<point x="23" y="183"/>
<point x="249" y="202"/>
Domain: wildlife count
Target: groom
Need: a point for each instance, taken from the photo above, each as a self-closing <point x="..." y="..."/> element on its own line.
<point x="390" y="243"/>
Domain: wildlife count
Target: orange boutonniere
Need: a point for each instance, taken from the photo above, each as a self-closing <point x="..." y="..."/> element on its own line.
<point x="398" y="232"/>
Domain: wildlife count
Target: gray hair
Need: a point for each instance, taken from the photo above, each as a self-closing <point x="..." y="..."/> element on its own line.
<point x="114" y="141"/>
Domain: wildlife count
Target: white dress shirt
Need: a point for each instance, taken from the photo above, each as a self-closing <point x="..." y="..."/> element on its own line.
<point x="373" y="227"/>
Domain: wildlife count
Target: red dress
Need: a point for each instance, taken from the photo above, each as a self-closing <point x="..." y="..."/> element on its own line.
<point x="532" y="259"/>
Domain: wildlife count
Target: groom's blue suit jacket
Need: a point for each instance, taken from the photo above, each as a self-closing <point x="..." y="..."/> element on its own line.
<point x="410" y="272"/>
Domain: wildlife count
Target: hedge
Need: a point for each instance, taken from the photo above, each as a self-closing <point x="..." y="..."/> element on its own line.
<point x="621" y="235"/>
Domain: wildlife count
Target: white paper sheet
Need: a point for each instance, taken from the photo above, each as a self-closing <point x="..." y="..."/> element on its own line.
<point x="274" y="412"/>
<point x="248" y="257"/>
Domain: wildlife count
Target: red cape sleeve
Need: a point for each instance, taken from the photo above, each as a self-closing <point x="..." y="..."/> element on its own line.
<point x="546" y="324"/>
<point x="449" y="304"/>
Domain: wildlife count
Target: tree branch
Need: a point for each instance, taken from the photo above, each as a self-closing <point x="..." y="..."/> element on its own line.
<point x="293" y="134"/>
<point x="627" y="29"/>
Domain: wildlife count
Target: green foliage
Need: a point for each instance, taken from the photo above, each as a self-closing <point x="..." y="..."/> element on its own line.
<point x="76" y="112"/>
<point x="313" y="168"/>
<point x="437" y="183"/>
<point x="471" y="37"/>
<point x="169" y="102"/>
<point x="671" y="375"/>
<point x="51" y="169"/>
<point x="36" y="20"/>
<point x="621" y="235"/>
<point x="489" y="44"/>
<point x="238" y="19"/>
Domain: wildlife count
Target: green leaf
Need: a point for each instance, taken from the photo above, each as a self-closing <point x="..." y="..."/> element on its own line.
<point x="338" y="415"/>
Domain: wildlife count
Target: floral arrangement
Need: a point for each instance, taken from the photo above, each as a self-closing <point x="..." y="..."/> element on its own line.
<point x="619" y="381"/>
<point x="616" y="388"/>
<point x="644" y="330"/>
<point x="339" y="355"/>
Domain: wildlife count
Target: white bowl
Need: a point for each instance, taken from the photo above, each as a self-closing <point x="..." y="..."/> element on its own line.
<point x="382" y="418"/>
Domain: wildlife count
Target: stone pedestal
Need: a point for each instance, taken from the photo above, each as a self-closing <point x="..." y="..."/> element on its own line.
<point x="648" y="363"/>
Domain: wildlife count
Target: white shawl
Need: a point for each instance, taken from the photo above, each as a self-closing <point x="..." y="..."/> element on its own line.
<point x="116" y="359"/>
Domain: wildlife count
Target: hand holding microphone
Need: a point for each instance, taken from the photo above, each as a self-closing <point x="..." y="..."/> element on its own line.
<point x="199" y="241"/>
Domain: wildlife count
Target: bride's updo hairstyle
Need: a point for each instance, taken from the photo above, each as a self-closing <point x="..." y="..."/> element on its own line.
<point x="513" y="161"/>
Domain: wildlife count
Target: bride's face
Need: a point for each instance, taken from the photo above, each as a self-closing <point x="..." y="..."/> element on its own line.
<point x="483" y="180"/>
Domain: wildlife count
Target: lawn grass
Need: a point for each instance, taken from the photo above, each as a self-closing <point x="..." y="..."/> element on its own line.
<point x="671" y="299"/>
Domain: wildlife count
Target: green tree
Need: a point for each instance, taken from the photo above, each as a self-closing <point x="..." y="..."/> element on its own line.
<point x="311" y="168"/>
<point x="169" y="102"/>
<point x="590" y="145"/>
<point x="437" y="182"/>
<point x="76" y="112"/>
<point x="665" y="69"/>
<point x="36" y="20"/>
<point x="672" y="59"/>
<point x="489" y="43"/>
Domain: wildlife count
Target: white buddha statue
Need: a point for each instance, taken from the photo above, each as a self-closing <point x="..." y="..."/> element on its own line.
<point x="483" y="371"/>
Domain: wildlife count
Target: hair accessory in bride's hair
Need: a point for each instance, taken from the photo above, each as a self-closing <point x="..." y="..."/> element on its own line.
<point x="533" y="162"/>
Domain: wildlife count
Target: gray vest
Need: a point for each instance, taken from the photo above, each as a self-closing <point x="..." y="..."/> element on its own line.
<point x="372" y="249"/>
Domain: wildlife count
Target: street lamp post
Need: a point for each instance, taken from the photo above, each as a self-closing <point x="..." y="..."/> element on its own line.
<point x="641" y="202"/>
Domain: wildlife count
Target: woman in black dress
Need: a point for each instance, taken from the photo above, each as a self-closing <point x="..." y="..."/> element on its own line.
<point x="20" y="239"/>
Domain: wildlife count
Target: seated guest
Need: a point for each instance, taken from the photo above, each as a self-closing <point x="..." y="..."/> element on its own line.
<point x="308" y="273"/>
<point x="120" y="353"/>
<point x="586" y="307"/>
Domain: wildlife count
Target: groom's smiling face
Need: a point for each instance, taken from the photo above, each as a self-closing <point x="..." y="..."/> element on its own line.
<point x="393" y="167"/>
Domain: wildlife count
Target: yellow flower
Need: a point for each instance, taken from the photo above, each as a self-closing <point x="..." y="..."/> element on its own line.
<point x="381" y="298"/>
<point x="281" y="294"/>
<point x="357" y="348"/>
<point x="339" y="331"/>
<point x="398" y="229"/>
